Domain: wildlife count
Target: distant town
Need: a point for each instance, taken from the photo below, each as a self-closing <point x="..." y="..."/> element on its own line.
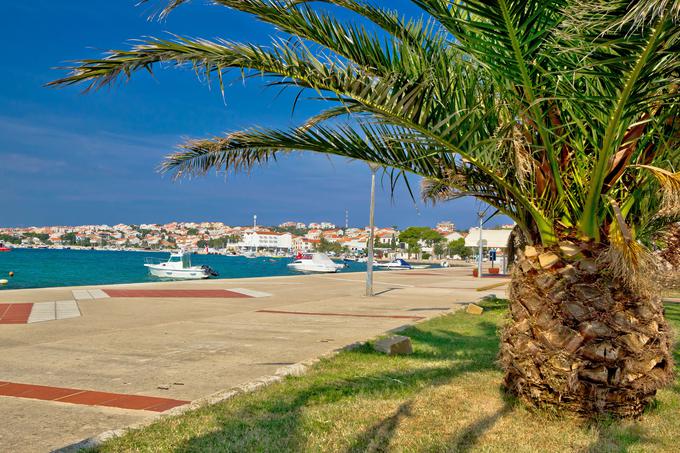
<point x="216" y="237"/>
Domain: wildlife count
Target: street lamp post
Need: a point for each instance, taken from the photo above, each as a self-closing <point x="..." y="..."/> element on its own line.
<point x="371" y="221"/>
<point x="481" y="245"/>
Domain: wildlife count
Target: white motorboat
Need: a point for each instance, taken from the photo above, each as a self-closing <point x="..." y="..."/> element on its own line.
<point x="249" y="254"/>
<point x="178" y="266"/>
<point x="314" y="263"/>
<point x="395" y="264"/>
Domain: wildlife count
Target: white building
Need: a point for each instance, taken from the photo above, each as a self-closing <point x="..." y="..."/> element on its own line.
<point x="357" y="244"/>
<point x="445" y="227"/>
<point x="497" y="239"/>
<point x="268" y="240"/>
<point x="304" y="245"/>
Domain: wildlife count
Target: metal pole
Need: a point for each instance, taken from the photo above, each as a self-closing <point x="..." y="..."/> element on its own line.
<point x="371" y="219"/>
<point x="481" y="246"/>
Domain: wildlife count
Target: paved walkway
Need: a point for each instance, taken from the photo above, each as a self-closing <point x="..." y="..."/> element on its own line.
<point x="134" y="351"/>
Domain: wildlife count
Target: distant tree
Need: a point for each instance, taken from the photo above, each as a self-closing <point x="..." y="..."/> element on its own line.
<point x="69" y="239"/>
<point x="290" y="229"/>
<point x="457" y="247"/>
<point x="192" y="232"/>
<point x="413" y="249"/>
<point x="426" y="234"/>
<point x="218" y="243"/>
<point x="325" y="246"/>
<point x="10" y="239"/>
<point x="439" y="249"/>
<point x="41" y="236"/>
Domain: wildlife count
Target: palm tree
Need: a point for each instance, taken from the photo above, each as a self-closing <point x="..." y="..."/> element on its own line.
<point x="562" y="114"/>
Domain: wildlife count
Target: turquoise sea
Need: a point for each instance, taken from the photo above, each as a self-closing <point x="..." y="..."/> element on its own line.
<point x="39" y="268"/>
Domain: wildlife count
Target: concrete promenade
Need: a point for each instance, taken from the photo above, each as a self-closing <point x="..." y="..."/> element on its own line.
<point x="126" y="353"/>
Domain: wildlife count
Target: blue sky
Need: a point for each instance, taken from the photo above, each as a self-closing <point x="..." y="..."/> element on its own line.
<point x="69" y="158"/>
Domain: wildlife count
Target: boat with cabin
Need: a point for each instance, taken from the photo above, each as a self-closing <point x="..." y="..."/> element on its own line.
<point x="394" y="264"/>
<point x="178" y="266"/>
<point x="314" y="263"/>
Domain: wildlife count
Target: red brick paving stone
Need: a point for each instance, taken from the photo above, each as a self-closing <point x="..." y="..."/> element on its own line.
<point x="12" y="389"/>
<point x="173" y="293"/>
<point x="17" y="314"/>
<point x="37" y="392"/>
<point x="162" y="407"/>
<point x="353" y="315"/>
<point x="136" y="402"/>
<point x="89" y="398"/>
<point x="40" y="392"/>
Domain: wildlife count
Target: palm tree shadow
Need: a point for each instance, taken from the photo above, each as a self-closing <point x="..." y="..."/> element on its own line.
<point x="377" y="437"/>
<point x="469" y="437"/>
<point x="262" y="423"/>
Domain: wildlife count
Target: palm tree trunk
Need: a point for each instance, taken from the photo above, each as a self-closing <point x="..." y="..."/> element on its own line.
<point x="581" y="340"/>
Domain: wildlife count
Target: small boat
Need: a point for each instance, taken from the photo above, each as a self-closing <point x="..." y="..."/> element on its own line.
<point x="248" y="254"/>
<point x="314" y="263"/>
<point x="395" y="264"/>
<point x="4" y="248"/>
<point x="178" y="266"/>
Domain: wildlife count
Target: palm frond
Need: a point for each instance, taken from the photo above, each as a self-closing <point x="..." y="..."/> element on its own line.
<point x="555" y="112"/>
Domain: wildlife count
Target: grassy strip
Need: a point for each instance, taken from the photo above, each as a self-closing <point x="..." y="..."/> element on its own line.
<point x="445" y="397"/>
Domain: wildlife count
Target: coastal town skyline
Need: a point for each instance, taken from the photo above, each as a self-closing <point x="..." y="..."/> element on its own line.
<point x="214" y="235"/>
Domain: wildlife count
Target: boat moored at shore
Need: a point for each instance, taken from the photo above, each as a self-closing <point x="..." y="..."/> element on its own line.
<point x="178" y="267"/>
<point x="314" y="263"/>
<point x="395" y="264"/>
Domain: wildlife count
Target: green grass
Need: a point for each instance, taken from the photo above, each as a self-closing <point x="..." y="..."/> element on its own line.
<point x="444" y="397"/>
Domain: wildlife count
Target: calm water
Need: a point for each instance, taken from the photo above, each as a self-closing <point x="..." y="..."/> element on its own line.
<point x="38" y="268"/>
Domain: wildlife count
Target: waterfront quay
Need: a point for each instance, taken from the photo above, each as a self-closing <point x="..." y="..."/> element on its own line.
<point x="78" y="361"/>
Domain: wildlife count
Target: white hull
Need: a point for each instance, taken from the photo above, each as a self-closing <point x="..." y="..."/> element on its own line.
<point x="193" y="273"/>
<point x="311" y="269"/>
<point x="317" y="263"/>
<point x="396" y="264"/>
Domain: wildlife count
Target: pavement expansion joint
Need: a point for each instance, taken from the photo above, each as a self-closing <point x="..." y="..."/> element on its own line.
<point x="351" y="315"/>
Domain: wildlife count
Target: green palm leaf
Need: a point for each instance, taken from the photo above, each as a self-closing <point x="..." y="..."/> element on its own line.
<point x="546" y="104"/>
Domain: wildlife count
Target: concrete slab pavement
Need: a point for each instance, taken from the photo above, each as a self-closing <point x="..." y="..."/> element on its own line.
<point x="186" y="348"/>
